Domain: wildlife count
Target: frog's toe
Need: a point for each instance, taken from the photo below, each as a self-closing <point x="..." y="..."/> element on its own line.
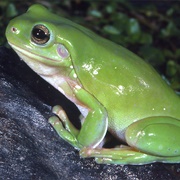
<point x="63" y="118"/>
<point x="62" y="132"/>
<point x="56" y="123"/>
<point x="59" y="111"/>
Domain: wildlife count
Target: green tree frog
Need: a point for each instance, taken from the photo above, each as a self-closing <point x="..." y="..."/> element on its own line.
<point x="115" y="90"/>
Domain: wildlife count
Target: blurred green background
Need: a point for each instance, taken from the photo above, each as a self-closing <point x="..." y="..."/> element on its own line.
<point x="149" y="28"/>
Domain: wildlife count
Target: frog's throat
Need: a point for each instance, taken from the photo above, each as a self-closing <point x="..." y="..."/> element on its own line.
<point x="51" y="74"/>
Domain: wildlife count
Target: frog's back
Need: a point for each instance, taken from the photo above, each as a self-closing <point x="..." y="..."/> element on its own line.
<point x="128" y="87"/>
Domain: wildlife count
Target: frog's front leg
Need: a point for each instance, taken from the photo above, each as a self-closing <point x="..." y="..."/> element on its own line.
<point x="63" y="126"/>
<point x="153" y="139"/>
<point x="93" y="128"/>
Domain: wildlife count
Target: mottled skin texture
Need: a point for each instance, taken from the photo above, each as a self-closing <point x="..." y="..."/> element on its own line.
<point x="114" y="89"/>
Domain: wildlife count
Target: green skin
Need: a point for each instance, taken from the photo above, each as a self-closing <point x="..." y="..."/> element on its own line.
<point x="114" y="89"/>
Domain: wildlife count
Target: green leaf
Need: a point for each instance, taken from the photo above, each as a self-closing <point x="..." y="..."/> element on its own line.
<point x="133" y="30"/>
<point x="170" y="12"/>
<point x="110" y="9"/>
<point x="146" y="38"/>
<point x="177" y="53"/>
<point x="153" y="55"/>
<point x="121" y="21"/>
<point x="95" y="13"/>
<point x="133" y="26"/>
<point x="170" y="30"/>
<point x="171" y="68"/>
<point x="11" y="11"/>
<point x="111" y="30"/>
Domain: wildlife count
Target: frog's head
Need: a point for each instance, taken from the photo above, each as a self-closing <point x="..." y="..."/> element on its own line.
<point x="35" y="39"/>
<point x="42" y="38"/>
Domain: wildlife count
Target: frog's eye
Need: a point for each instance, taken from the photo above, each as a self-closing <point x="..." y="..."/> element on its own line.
<point x="40" y="34"/>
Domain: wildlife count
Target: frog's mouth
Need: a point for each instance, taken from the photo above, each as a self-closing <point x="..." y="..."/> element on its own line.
<point x="40" y="64"/>
<point x="29" y="54"/>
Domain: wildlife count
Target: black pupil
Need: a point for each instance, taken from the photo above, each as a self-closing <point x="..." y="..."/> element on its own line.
<point x="39" y="34"/>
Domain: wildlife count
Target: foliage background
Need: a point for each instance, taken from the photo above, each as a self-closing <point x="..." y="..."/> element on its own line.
<point x="149" y="28"/>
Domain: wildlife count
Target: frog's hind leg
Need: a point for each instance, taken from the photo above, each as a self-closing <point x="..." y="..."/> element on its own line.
<point x="158" y="136"/>
<point x="155" y="139"/>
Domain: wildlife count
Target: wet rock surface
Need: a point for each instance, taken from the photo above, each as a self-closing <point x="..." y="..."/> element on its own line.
<point x="31" y="149"/>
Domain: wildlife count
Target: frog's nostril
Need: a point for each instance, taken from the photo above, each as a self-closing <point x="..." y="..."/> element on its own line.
<point x="14" y="30"/>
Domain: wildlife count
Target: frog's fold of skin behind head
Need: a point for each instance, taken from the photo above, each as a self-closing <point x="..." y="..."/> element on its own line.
<point x="114" y="89"/>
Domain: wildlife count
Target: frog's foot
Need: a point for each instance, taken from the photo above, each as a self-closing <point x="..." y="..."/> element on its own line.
<point x="64" y="127"/>
<point x="124" y="155"/>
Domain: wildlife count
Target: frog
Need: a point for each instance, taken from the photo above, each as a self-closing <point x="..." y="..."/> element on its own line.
<point x="116" y="91"/>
